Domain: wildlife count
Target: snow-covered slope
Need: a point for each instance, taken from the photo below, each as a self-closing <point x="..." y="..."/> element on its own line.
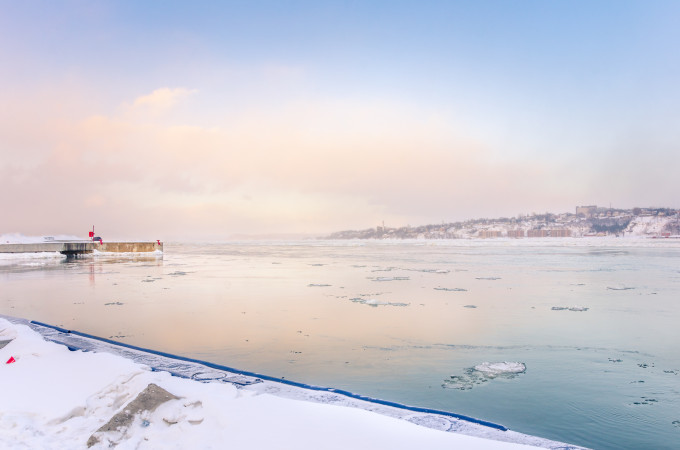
<point x="56" y="398"/>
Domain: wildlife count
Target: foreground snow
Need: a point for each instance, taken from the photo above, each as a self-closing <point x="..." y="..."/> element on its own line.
<point x="56" y="398"/>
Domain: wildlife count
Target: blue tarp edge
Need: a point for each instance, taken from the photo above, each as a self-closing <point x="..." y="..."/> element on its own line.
<point x="278" y="380"/>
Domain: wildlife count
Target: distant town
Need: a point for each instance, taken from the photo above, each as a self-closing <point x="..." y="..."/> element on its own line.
<point x="585" y="221"/>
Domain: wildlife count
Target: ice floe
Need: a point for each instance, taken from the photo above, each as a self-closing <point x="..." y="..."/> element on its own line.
<point x="375" y="302"/>
<point x="391" y="279"/>
<point x="483" y="373"/>
<point x="646" y="401"/>
<point x="620" y="288"/>
<point x="493" y="370"/>
<point x="441" y="271"/>
<point x="569" y="308"/>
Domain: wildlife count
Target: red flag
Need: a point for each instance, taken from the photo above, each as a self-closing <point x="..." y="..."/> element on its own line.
<point x="11" y="360"/>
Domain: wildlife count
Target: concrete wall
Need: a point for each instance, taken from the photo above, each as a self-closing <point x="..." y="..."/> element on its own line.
<point x="31" y="248"/>
<point x="128" y="247"/>
<point x="82" y="247"/>
<point x="76" y="248"/>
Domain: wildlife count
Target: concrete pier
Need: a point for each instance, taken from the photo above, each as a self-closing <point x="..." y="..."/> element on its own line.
<point x="129" y="247"/>
<point x="79" y="248"/>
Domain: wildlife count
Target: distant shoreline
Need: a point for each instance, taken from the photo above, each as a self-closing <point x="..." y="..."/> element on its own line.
<point x="586" y="222"/>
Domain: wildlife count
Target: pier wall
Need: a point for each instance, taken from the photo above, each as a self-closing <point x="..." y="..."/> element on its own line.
<point x="32" y="248"/>
<point x="128" y="247"/>
<point x="79" y="248"/>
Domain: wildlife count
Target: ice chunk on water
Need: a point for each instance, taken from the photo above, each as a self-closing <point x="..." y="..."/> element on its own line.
<point x="570" y="308"/>
<point x="483" y="373"/>
<point x="432" y="270"/>
<point x="620" y="288"/>
<point x="374" y="302"/>
<point x="492" y="370"/>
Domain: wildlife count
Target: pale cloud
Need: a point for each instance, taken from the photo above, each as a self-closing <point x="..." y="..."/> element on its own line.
<point x="307" y="166"/>
<point x="162" y="98"/>
<point x="94" y="200"/>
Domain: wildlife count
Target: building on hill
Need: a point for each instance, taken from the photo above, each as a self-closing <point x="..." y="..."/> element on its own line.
<point x="560" y="232"/>
<point x="516" y="233"/>
<point x="534" y="233"/>
<point x="586" y="211"/>
<point x="486" y="234"/>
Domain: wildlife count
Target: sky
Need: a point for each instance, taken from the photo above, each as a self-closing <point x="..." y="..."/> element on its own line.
<point x="208" y="120"/>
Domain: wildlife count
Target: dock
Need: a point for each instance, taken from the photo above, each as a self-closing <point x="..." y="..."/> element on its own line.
<point x="75" y="248"/>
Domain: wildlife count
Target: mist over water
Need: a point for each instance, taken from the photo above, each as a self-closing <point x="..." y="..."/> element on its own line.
<point x="593" y="323"/>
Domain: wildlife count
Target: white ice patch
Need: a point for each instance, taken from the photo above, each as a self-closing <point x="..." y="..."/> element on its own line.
<point x="619" y="288"/>
<point x="570" y="308"/>
<point x="450" y="289"/>
<point x="492" y="370"/>
<point x="483" y="373"/>
<point x="13" y="258"/>
<point x="432" y="270"/>
<point x="374" y="302"/>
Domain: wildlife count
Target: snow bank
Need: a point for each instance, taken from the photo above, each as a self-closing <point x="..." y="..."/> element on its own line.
<point x="53" y="397"/>
<point x="39" y="258"/>
<point x="648" y="225"/>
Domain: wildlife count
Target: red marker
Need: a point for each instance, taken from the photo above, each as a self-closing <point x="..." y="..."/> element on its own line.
<point x="11" y="360"/>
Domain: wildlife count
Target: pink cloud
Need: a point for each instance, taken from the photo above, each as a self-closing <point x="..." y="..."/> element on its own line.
<point x="162" y="98"/>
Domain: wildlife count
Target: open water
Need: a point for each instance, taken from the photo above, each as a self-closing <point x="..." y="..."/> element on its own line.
<point x="596" y="322"/>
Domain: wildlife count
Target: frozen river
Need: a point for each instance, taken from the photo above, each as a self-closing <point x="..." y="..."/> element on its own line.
<point x="590" y="327"/>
